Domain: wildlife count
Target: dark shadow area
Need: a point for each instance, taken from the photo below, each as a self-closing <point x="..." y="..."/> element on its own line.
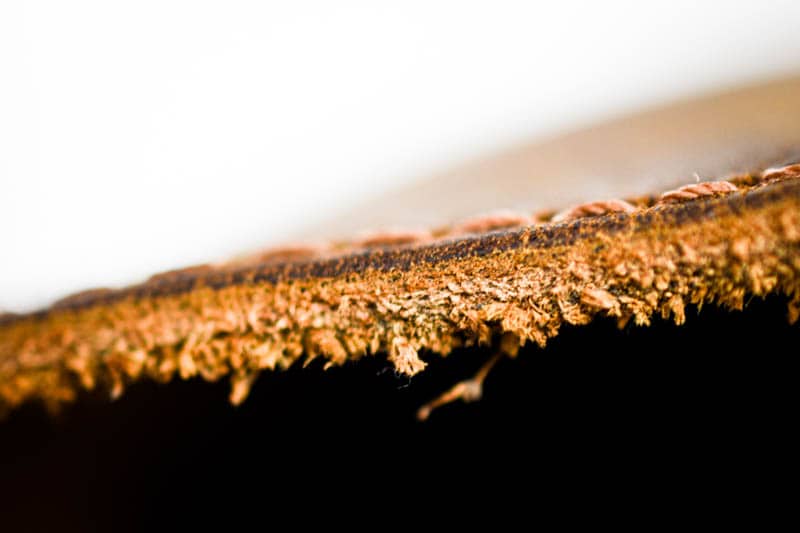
<point x="598" y="404"/>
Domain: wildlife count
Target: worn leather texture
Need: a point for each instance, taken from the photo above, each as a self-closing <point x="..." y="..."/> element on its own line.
<point x="657" y="307"/>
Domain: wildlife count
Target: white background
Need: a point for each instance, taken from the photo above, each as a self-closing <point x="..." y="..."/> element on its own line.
<point x="140" y="136"/>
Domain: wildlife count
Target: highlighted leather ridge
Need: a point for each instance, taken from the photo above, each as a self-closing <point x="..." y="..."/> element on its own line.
<point x="426" y="293"/>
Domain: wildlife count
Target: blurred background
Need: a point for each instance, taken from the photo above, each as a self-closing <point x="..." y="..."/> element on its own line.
<point x="142" y="136"/>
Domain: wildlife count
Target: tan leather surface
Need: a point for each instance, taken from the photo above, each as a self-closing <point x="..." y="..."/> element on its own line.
<point x="655" y="150"/>
<point x="705" y="244"/>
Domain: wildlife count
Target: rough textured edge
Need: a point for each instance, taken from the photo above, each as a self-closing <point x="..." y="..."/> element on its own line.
<point x="718" y="246"/>
<point x="403" y="250"/>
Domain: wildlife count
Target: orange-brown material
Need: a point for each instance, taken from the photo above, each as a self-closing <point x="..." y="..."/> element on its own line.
<point x="415" y="300"/>
<point x="594" y="209"/>
<point x="471" y="389"/>
<point x="698" y="190"/>
<point x="490" y="222"/>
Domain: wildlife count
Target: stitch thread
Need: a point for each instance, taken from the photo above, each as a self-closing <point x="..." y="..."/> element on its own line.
<point x="697" y="190"/>
<point x="593" y="209"/>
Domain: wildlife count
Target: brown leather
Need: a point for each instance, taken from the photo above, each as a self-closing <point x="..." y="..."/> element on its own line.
<point x="714" y="243"/>
<point x="653" y="237"/>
